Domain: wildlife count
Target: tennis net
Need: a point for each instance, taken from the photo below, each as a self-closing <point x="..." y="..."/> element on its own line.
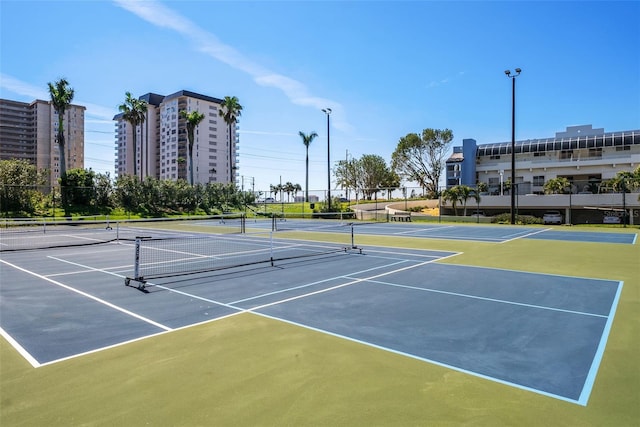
<point x="192" y="254"/>
<point x="27" y="234"/>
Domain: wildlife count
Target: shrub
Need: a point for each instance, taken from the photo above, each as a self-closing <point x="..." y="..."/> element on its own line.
<point x="505" y="218"/>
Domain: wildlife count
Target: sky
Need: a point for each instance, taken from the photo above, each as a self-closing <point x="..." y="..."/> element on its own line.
<point x="385" y="68"/>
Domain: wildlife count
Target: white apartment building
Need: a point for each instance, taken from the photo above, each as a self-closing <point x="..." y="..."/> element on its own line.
<point x="587" y="157"/>
<point x="28" y="132"/>
<point x="162" y="145"/>
<point x="583" y="155"/>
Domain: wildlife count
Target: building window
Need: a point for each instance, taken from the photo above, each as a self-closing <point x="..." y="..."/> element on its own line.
<point x="538" y="181"/>
<point x="595" y="153"/>
<point x="566" y="154"/>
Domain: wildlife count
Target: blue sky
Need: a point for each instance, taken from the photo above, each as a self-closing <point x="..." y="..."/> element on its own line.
<point x="385" y="68"/>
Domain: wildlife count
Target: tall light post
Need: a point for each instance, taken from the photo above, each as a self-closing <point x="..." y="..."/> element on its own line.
<point x="327" y="111"/>
<point x="513" y="141"/>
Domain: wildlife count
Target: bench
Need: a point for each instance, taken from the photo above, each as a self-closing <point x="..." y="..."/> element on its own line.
<point x="404" y="217"/>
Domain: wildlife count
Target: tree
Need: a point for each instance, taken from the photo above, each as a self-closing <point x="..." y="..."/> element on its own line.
<point x="558" y="185"/>
<point x="231" y="110"/>
<point x="61" y="97"/>
<point x="18" y="181"/>
<point x="288" y="188"/>
<point x="79" y="186"/>
<point x="275" y="189"/>
<point x="346" y="174"/>
<point x="129" y="192"/>
<point x="373" y="173"/>
<point x="452" y="195"/>
<point x="391" y="182"/>
<point x="192" y="119"/>
<point x="306" y="140"/>
<point x="421" y="158"/>
<point x="476" y="196"/>
<point x="625" y="181"/>
<point x="465" y="192"/>
<point x="103" y="191"/>
<point x="134" y="112"/>
<point x="296" y="189"/>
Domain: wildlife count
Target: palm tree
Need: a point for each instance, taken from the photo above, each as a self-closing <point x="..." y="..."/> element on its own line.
<point x="558" y="185"/>
<point x="289" y="188"/>
<point x="61" y="97"/>
<point x="296" y="189"/>
<point x="464" y="193"/>
<point x="232" y="110"/>
<point x="275" y="189"/>
<point x="193" y="119"/>
<point x="134" y="111"/>
<point x="453" y="195"/>
<point x="306" y="140"/>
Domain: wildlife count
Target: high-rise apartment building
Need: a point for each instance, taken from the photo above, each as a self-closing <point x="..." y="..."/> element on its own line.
<point x="28" y="132"/>
<point x="162" y="144"/>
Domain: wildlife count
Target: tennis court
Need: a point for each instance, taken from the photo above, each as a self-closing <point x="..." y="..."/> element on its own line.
<point x="481" y="233"/>
<point x="542" y="333"/>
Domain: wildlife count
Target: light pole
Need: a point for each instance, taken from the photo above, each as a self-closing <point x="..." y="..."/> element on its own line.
<point x="327" y="111"/>
<point x="513" y="141"/>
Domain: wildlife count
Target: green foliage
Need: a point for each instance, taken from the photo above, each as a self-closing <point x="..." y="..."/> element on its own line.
<point x="61" y="98"/>
<point x="19" y="189"/>
<point x="78" y="187"/>
<point x="367" y="175"/>
<point x="482" y="187"/>
<point x="558" y="185"/>
<point x="459" y="194"/>
<point x="192" y="119"/>
<point x="306" y="140"/>
<point x="230" y="111"/>
<point x="420" y="158"/>
<point x="336" y="206"/>
<point x="625" y="181"/>
<point x="133" y="111"/>
<point x="505" y="218"/>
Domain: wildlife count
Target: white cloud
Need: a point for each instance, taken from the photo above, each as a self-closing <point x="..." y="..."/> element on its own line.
<point x="206" y="42"/>
<point x="21" y="88"/>
<point x="31" y="93"/>
<point x="444" y="81"/>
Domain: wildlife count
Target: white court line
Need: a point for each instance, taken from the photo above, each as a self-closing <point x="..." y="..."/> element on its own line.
<point x="306" y="285"/>
<point x="352" y="282"/>
<point x="86" y="295"/>
<point x="20" y="349"/>
<point x="458" y="294"/>
<point x="424" y="230"/>
<point x="525" y="235"/>
<point x="591" y="376"/>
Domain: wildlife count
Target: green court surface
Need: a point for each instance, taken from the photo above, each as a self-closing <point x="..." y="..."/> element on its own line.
<point x="250" y="370"/>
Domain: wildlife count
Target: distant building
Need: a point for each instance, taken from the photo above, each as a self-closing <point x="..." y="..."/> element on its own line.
<point x="162" y="145"/>
<point x="583" y="155"/>
<point x="28" y="132"/>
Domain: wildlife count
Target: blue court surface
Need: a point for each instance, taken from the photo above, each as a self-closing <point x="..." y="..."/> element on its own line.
<point x="538" y="332"/>
<point x="483" y="233"/>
